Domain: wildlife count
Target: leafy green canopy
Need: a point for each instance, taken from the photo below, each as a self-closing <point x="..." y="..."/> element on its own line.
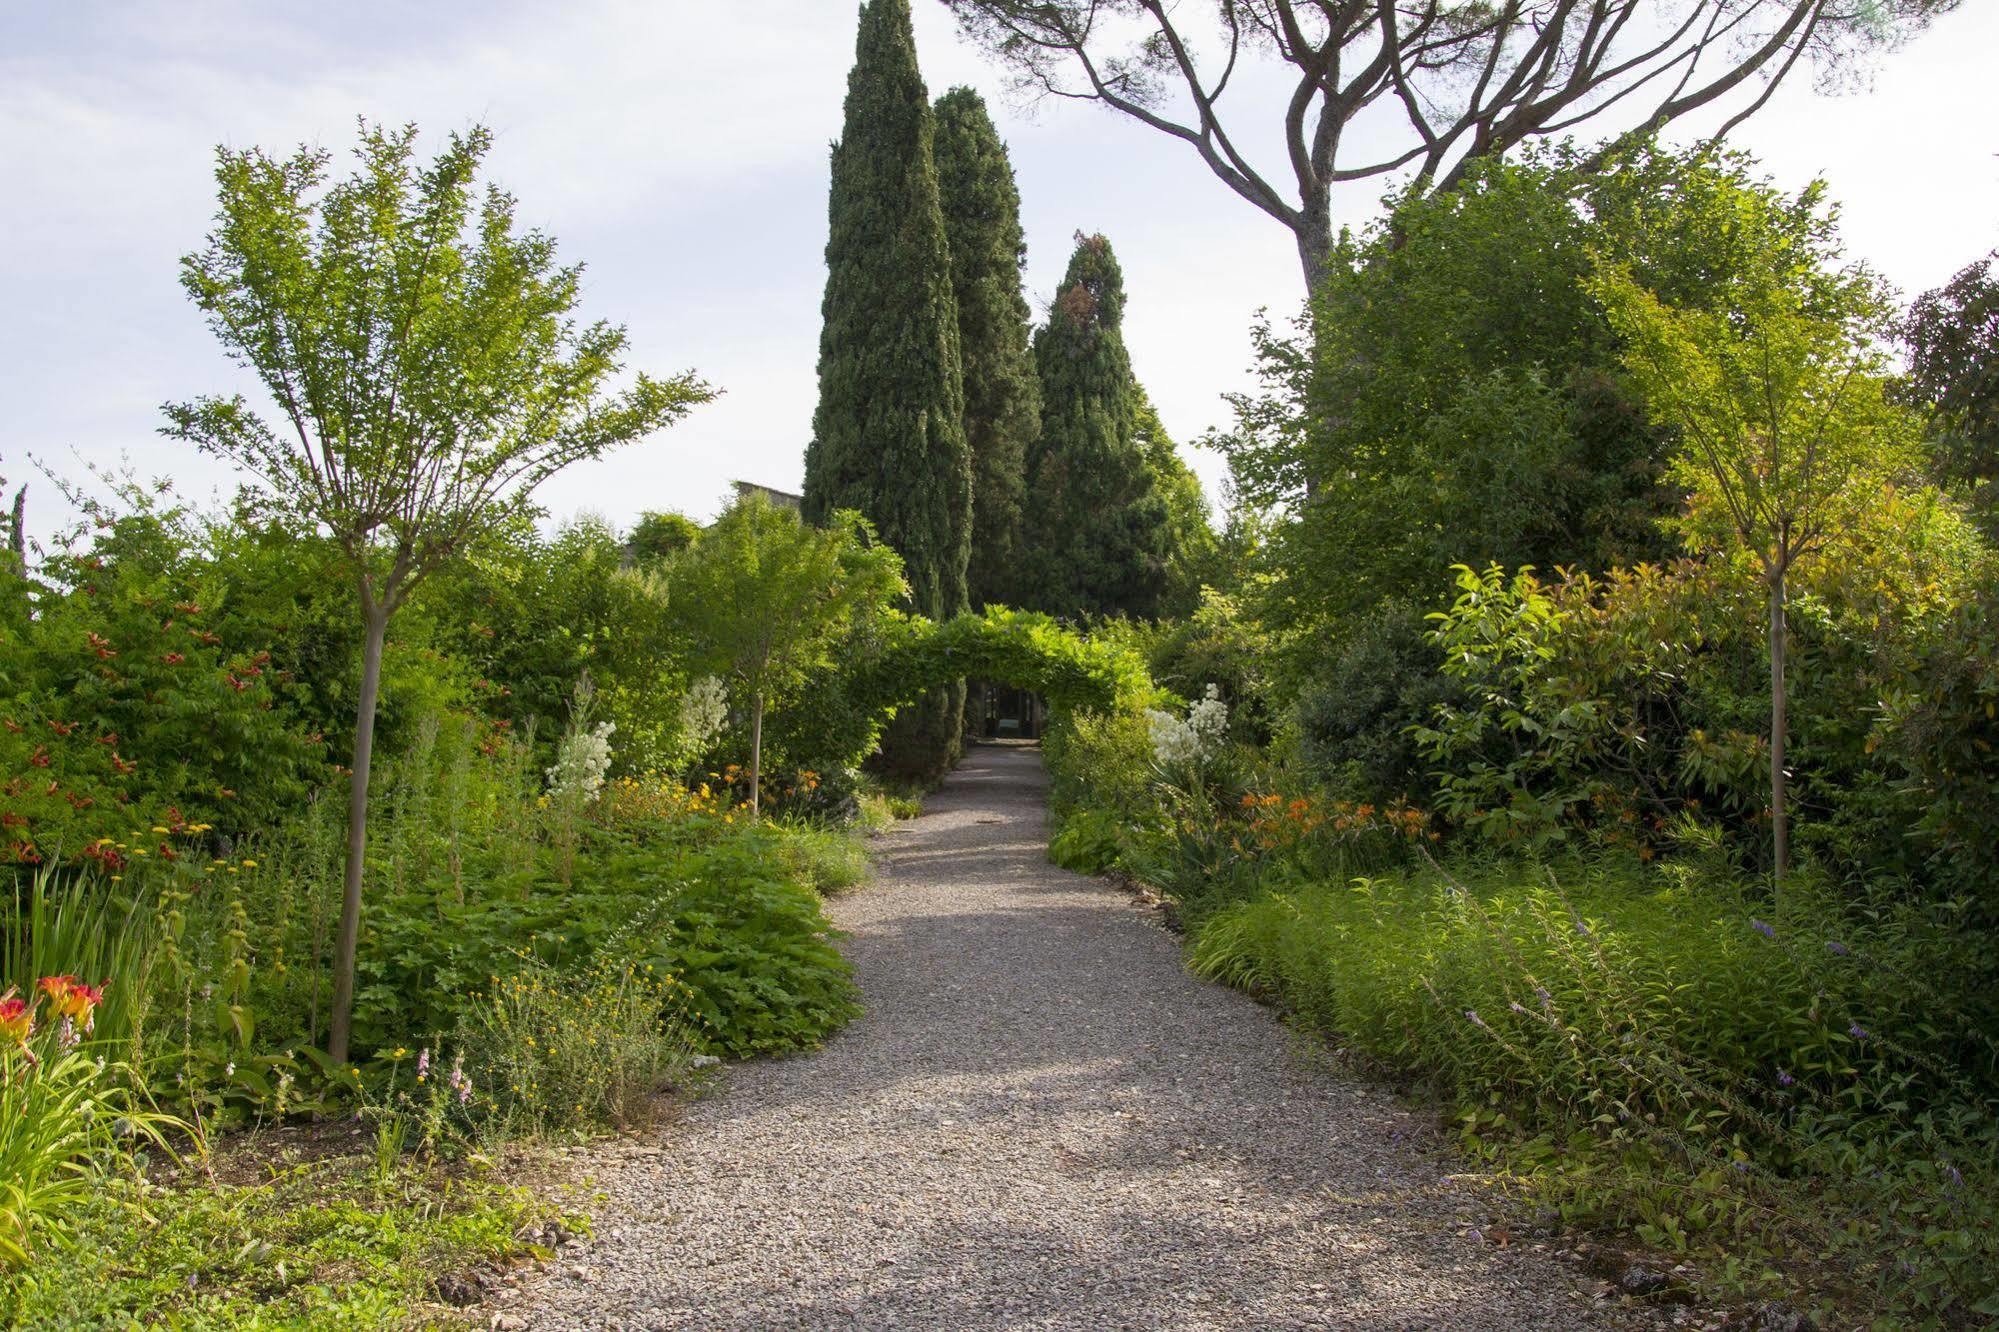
<point x="1002" y="395"/>
<point x="1097" y="530"/>
<point x="1465" y="403"/>
<point x="767" y="600"/>
<point x="1073" y="671"/>
<point x="420" y="351"/>
<point x="888" y="439"/>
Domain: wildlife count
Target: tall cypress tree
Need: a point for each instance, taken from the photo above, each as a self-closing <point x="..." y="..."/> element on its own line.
<point x="1002" y="395"/>
<point x="1097" y="526"/>
<point x="888" y="437"/>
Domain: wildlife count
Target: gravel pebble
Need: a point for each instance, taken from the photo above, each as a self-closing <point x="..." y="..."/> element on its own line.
<point x="1043" y="1121"/>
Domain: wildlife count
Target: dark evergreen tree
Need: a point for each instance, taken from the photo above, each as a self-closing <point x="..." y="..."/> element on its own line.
<point x="1097" y="526"/>
<point x="888" y="438"/>
<point x="1002" y="396"/>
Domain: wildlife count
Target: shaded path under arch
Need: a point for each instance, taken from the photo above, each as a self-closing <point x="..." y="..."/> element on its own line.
<point x="1041" y="1121"/>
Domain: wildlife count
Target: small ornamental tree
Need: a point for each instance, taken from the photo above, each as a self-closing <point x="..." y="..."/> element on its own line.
<point x="1788" y="435"/>
<point x="767" y="600"/>
<point x="428" y="374"/>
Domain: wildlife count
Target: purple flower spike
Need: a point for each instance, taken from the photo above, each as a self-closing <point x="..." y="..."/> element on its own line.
<point x="1836" y="948"/>
<point x="1858" y="1032"/>
<point x="1785" y="1079"/>
<point x="1762" y="927"/>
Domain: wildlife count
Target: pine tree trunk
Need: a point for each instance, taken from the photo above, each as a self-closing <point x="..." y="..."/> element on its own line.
<point x="348" y="940"/>
<point x="756" y="754"/>
<point x="1780" y="823"/>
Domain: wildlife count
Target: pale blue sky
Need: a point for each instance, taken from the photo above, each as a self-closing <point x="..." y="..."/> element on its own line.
<point x="679" y="147"/>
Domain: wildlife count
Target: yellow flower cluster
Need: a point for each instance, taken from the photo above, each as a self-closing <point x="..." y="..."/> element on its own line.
<point x="658" y="797"/>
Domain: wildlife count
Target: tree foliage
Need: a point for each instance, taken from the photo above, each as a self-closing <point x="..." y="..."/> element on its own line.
<point x="426" y="368"/>
<point x="1788" y="436"/>
<point x="768" y="599"/>
<point x="1953" y="338"/>
<point x="888" y="438"/>
<point x="1002" y="395"/>
<point x="1470" y="82"/>
<point x="1097" y="530"/>
<point x="1463" y="401"/>
<point x="1027" y="649"/>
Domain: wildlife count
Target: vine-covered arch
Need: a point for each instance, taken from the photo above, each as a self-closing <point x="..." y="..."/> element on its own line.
<point x="1020" y="648"/>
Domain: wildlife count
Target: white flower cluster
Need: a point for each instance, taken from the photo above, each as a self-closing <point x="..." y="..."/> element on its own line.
<point x="703" y="709"/>
<point x="581" y="763"/>
<point x="1175" y="741"/>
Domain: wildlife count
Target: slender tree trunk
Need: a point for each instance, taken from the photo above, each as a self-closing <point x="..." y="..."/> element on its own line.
<point x="348" y="940"/>
<point x="756" y="754"/>
<point x="17" y="532"/>
<point x="1315" y="242"/>
<point x="1780" y="822"/>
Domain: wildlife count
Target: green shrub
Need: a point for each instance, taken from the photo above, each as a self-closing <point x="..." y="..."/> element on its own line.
<point x="1656" y="1054"/>
<point x="752" y="947"/>
<point x="1089" y="841"/>
<point x="1099" y="760"/>
<point x="1354" y="714"/>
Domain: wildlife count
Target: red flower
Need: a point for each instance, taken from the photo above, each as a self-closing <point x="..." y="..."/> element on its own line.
<point x="71" y="998"/>
<point x="40" y="758"/>
<point x="173" y="659"/>
<point x="17" y="1019"/>
<point x="61" y="728"/>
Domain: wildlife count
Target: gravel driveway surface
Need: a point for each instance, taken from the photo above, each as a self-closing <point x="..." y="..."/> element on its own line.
<point x="1042" y="1121"/>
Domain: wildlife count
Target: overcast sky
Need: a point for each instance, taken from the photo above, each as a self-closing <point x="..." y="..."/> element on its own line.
<point x="679" y="148"/>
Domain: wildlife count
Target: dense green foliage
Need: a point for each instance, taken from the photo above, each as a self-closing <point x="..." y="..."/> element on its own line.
<point x="1097" y="529"/>
<point x="888" y="438"/>
<point x="770" y="600"/>
<point x="1953" y="340"/>
<point x="1479" y="782"/>
<point x="1002" y="395"/>
<point x="1464" y="401"/>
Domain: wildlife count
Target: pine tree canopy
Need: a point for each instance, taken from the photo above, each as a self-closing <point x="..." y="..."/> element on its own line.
<point x="1002" y="396"/>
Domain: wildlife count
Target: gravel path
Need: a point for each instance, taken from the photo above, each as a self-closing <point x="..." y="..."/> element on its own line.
<point x="1042" y="1121"/>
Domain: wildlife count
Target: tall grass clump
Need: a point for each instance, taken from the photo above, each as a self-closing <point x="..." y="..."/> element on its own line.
<point x="555" y="1051"/>
<point x="1651" y="1050"/>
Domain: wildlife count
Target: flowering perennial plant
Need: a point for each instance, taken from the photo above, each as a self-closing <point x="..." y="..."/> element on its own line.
<point x="581" y="764"/>
<point x="1192" y="741"/>
<point x="703" y="710"/>
<point x="61" y="1111"/>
